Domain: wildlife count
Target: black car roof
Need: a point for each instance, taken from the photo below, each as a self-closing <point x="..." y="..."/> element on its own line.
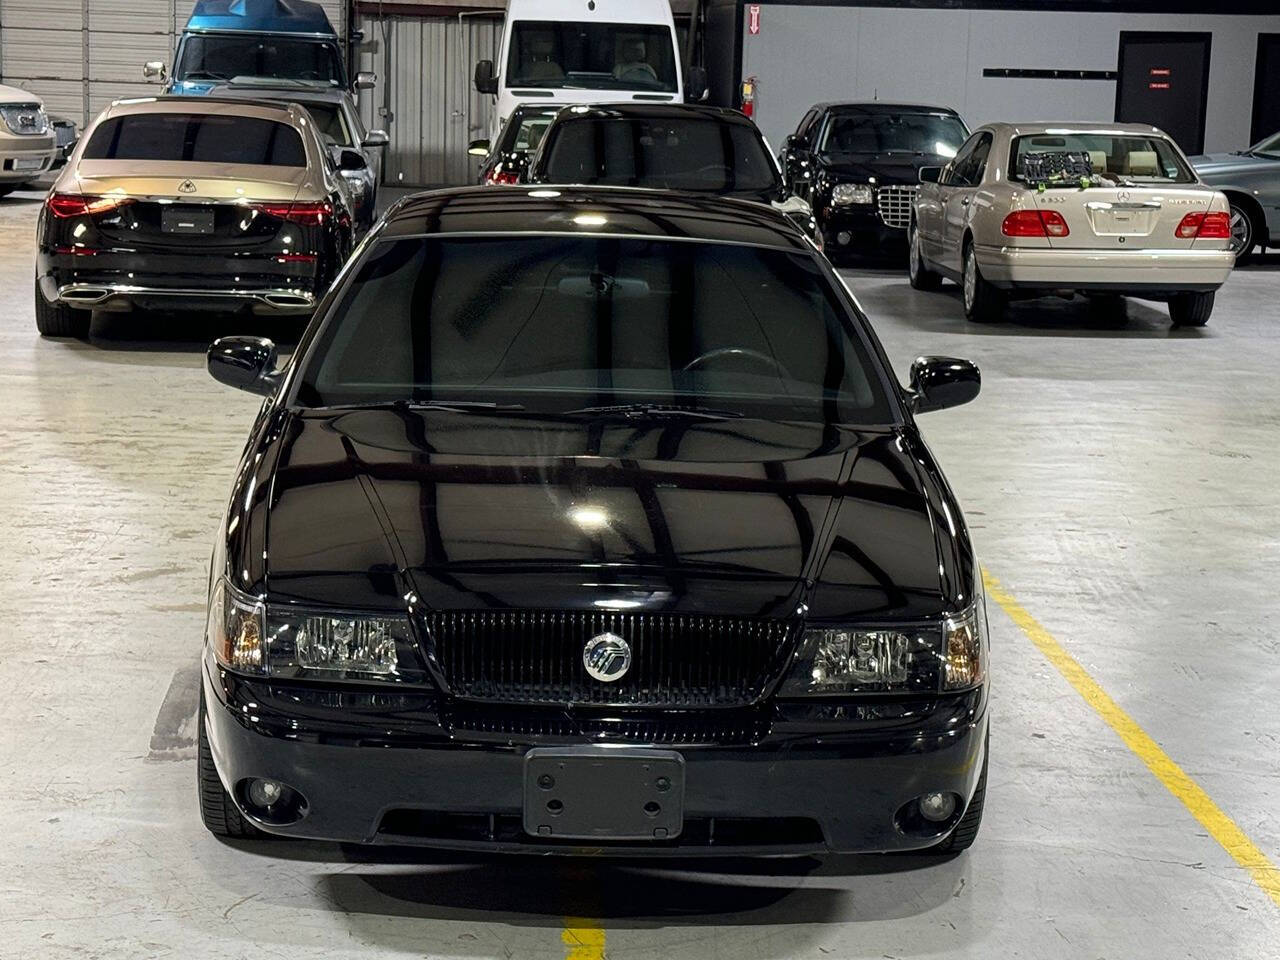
<point x="627" y="211"/>
<point x="653" y="111"/>
<point x="880" y="107"/>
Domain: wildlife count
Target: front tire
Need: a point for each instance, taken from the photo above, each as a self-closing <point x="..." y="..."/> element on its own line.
<point x="1191" y="309"/>
<point x="920" y="276"/>
<point x="59" y="320"/>
<point x="1244" y="230"/>
<point x="218" y="810"/>
<point x="983" y="303"/>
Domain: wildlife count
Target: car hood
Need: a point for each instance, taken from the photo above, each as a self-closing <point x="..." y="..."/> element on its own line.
<point x="1215" y="164"/>
<point x="885" y="167"/>
<point x="467" y="511"/>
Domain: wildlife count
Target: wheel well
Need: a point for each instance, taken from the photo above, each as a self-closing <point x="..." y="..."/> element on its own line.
<point x="1256" y="214"/>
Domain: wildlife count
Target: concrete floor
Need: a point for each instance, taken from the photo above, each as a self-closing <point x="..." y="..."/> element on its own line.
<point x="1121" y="485"/>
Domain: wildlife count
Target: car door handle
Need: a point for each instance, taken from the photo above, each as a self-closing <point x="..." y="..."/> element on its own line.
<point x="964" y="202"/>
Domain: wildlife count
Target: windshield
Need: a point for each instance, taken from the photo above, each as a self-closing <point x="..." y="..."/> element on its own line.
<point x="934" y="134"/>
<point x="196" y="138"/>
<point x="591" y="56"/>
<point x="1270" y="147"/>
<point x="329" y="121"/>
<point x="696" y="154"/>
<point x="1125" y="157"/>
<point x="558" y="322"/>
<point x="222" y="57"/>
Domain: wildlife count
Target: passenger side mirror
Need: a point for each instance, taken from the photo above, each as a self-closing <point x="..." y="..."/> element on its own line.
<point x="478" y="148"/>
<point x="155" y="70"/>
<point x="941" y="382"/>
<point x="366" y="80"/>
<point x="376" y="138"/>
<point x="695" y="88"/>
<point x="246" y="363"/>
<point x="352" y="160"/>
<point x="930" y="174"/>
<point x="485" y="81"/>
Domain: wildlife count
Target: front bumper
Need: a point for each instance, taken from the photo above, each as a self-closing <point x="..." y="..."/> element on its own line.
<point x="1139" y="272"/>
<point x="393" y="768"/>
<point x="857" y="228"/>
<point x="24" y="157"/>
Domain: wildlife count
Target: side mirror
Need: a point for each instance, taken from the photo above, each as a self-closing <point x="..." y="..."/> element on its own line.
<point x="352" y="160"/>
<point x="930" y="174"/>
<point x="357" y="36"/>
<point x="478" y="148"/>
<point x="695" y="85"/>
<point x="366" y="80"/>
<point x="246" y="363"/>
<point x="941" y="382"/>
<point x="155" y="70"/>
<point x="376" y="138"/>
<point x="485" y="81"/>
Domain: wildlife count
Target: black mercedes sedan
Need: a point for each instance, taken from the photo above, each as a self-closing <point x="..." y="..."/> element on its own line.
<point x="858" y="165"/>
<point x="593" y="520"/>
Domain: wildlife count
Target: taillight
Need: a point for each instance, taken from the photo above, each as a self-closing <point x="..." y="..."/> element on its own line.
<point x="79" y="205"/>
<point x="503" y="176"/>
<point x="1205" y="226"/>
<point x="307" y="214"/>
<point x="1035" y="223"/>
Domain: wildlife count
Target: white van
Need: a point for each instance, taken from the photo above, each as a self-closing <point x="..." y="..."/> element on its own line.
<point x="584" y="51"/>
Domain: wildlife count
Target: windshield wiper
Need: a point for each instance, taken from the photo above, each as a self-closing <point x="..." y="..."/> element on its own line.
<point x="448" y="406"/>
<point x="635" y="411"/>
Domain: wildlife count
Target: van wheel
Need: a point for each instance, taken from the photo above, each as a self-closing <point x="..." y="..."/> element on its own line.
<point x="921" y="277"/>
<point x="219" y="812"/>
<point x="983" y="303"/>
<point x="59" y="320"/>
<point x="1191" y="309"/>
<point x="966" y="830"/>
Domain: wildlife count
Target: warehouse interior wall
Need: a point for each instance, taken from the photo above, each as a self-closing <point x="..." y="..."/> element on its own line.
<point x="805" y="54"/>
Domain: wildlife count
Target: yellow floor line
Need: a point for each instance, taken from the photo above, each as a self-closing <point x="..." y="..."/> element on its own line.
<point x="1220" y="826"/>
<point x="583" y="939"/>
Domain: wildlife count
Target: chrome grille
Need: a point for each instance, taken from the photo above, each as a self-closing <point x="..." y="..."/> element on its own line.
<point x="894" y="204"/>
<point x="721" y="727"/>
<point x="676" y="660"/>
<point x="24" y="118"/>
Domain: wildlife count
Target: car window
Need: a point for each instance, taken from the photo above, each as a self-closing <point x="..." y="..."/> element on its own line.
<point x="932" y="134"/>
<point x="1269" y="148"/>
<point x="975" y="165"/>
<point x="196" y="138"/>
<point x="222" y="57"/>
<point x="679" y="154"/>
<point x="957" y="173"/>
<point x="805" y="129"/>
<point x="1128" y="157"/>
<point x="331" y="122"/>
<point x="526" y="131"/>
<point x="595" y="56"/>
<point x="561" y="321"/>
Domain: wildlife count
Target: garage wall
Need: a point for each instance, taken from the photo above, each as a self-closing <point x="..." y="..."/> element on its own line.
<point x="79" y="55"/>
<point x="806" y="54"/>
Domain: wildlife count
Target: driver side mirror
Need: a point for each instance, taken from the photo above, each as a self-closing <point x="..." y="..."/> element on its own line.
<point x="246" y="363"/>
<point x="376" y="138"/>
<point x="351" y="160"/>
<point x="366" y="80"/>
<point x="155" y="70"/>
<point x="485" y="81"/>
<point x="930" y="174"/>
<point x="478" y="148"/>
<point x="941" y="382"/>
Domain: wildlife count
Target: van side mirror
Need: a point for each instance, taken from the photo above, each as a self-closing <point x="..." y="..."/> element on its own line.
<point x="155" y="70"/>
<point x="246" y="363"/>
<point x="478" y="148"/>
<point x="366" y="80"/>
<point x="695" y="85"/>
<point x="485" y="80"/>
<point x="376" y="138"/>
<point x="930" y="174"/>
<point x="941" y="382"/>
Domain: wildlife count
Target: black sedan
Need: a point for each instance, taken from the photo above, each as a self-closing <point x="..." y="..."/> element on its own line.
<point x="592" y="519"/>
<point x="506" y="159"/>
<point x="858" y="165"/>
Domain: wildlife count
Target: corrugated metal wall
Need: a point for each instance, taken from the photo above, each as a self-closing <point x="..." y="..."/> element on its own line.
<point x="79" y="55"/>
<point x="434" y="109"/>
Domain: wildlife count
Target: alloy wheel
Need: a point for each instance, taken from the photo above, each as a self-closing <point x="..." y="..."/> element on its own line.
<point x="1241" y="231"/>
<point x="913" y="265"/>
<point x="970" y="279"/>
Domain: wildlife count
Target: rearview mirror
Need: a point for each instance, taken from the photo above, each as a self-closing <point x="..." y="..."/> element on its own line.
<point x="478" y="148"/>
<point x="155" y="70"/>
<point x="941" y="382"/>
<point x="930" y="174"/>
<point x="352" y="160"/>
<point x="246" y="363"/>
<point x="376" y="138"/>
<point x="485" y="81"/>
<point x="365" y="80"/>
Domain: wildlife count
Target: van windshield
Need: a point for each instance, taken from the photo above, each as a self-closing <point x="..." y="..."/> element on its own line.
<point x="591" y="56"/>
<point x="225" y="57"/>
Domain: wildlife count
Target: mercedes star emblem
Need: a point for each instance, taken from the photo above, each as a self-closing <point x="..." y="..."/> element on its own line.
<point x="186" y="186"/>
<point x="607" y="657"/>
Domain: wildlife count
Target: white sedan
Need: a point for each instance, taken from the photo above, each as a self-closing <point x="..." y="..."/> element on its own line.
<point x="1104" y="210"/>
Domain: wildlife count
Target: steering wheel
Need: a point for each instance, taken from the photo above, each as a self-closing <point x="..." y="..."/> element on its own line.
<point x="746" y="352"/>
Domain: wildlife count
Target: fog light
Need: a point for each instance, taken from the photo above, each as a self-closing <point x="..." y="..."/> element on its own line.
<point x="937" y="806"/>
<point x="264" y="793"/>
<point x="843" y="238"/>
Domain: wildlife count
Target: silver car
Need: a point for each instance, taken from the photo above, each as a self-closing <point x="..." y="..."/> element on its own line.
<point x="1104" y="210"/>
<point x="27" y="147"/>
<point x="1251" y="180"/>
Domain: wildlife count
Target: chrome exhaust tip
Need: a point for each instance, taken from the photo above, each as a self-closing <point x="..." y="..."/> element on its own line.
<point x="83" y="294"/>
<point x="288" y="300"/>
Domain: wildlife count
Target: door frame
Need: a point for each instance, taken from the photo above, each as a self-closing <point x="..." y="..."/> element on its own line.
<point x="1171" y="36"/>
<point x="1255" y="118"/>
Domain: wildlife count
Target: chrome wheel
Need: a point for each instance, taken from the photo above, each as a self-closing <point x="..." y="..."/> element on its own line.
<point x="970" y="279"/>
<point x="1241" y="231"/>
<point x="913" y="265"/>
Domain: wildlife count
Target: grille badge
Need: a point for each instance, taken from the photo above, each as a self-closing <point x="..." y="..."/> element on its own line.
<point x="607" y="657"/>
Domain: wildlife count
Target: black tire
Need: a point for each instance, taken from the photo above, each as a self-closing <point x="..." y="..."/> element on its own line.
<point x="983" y="303"/>
<point x="966" y="830"/>
<point x="219" y="812"/>
<point x="1244" y="229"/>
<point x="1190" y="309"/>
<point x="1110" y="310"/>
<point x="920" y="276"/>
<point x="59" y="320"/>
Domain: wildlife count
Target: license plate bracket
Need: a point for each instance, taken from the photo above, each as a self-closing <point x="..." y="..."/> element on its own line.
<point x="28" y="163"/>
<point x="192" y="220"/>
<point x="588" y="793"/>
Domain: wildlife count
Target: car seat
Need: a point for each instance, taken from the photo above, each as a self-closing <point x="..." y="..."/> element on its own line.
<point x="631" y="62"/>
<point x="541" y="66"/>
<point x="1142" y="163"/>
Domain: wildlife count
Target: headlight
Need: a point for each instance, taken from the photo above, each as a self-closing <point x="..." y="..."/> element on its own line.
<point x="249" y="637"/>
<point x="13" y="117"/>
<point x="916" y="659"/>
<point x="843" y="193"/>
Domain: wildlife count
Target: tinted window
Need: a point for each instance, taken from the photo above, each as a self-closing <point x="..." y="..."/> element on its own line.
<point x="330" y="122"/>
<point x="525" y="130"/>
<point x="934" y="134"/>
<point x="197" y="138"/>
<point x="558" y="322"/>
<point x="1270" y="147"/>
<point x="597" y="56"/>
<point x="683" y="154"/>
<point x="972" y="162"/>
<point x="1135" y="158"/>
<point x="220" y="57"/>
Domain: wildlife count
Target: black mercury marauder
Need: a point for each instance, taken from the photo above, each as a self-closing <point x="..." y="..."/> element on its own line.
<point x="593" y="519"/>
<point x="858" y="165"/>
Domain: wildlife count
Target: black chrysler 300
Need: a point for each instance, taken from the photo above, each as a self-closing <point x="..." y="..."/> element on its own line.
<point x="593" y="519"/>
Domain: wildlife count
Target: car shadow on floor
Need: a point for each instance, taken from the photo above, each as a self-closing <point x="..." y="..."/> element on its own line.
<point x="192" y="332"/>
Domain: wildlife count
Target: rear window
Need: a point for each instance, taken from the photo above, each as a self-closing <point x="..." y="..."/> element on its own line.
<point x="1123" y="158"/>
<point x="197" y="138"/>
<point x="676" y="154"/>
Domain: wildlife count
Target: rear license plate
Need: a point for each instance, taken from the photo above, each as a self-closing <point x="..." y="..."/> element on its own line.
<point x="28" y="163"/>
<point x="186" y="220"/>
<point x="1111" y="223"/>
<point x="586" y="793"/>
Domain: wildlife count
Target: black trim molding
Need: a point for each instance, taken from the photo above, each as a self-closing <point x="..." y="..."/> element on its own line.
<point x="1021" y="74"/>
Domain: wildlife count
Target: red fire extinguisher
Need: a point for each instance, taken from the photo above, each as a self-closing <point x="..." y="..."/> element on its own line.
<point x="749" y="96"/>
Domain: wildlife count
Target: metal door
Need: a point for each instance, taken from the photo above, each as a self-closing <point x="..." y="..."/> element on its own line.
<point x="1164" y="81"/>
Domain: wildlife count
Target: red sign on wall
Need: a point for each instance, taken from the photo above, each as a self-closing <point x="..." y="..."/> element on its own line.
<point x="753" y="19"/>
